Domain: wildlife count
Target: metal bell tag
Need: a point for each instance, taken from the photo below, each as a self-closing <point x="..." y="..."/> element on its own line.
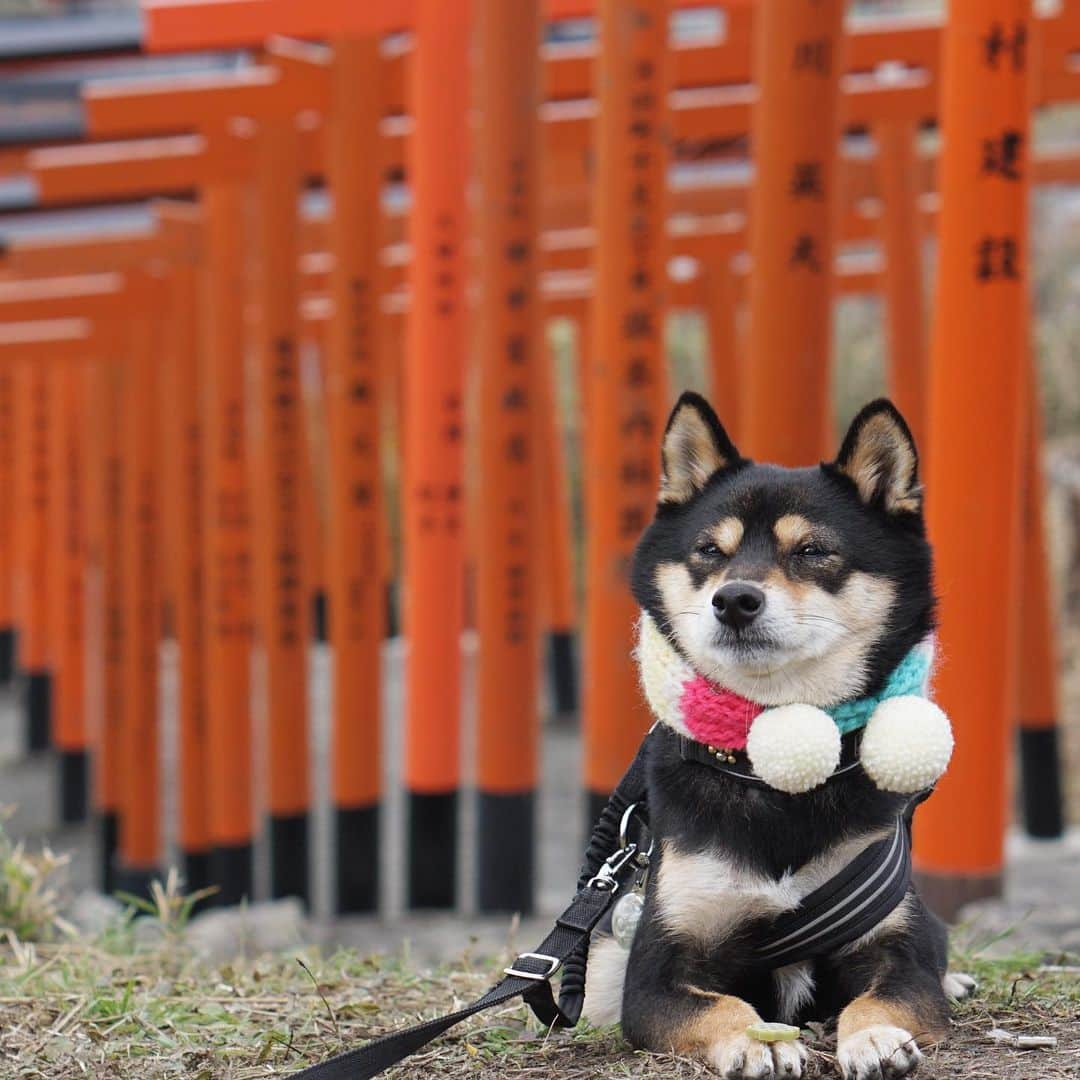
<point x="625" y="917"/>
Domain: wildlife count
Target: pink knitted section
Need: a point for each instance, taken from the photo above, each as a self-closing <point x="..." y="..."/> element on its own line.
<point x="716" y="717"/>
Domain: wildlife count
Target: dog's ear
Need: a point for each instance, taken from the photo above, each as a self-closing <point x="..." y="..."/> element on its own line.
<point x="878" y="456"/>
<point x="695" y="446"/>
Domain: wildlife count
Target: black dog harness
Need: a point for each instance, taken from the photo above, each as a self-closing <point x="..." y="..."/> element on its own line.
<point x="838" y="912"/>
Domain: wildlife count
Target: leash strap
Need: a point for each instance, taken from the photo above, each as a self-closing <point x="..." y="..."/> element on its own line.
<point x="530" y="974"/>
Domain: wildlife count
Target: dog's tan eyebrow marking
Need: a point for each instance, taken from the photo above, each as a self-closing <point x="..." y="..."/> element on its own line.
<point x="727" y="535"/>
<point x="792" y="530"/>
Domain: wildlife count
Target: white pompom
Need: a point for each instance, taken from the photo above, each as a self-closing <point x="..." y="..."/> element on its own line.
<point x="906" y="745"/>
<point x="794" y="748"/>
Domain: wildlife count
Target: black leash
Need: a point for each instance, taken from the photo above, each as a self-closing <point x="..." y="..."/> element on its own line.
<point x="528" y="976"/>
<point x="565" y="947"/>
<point x="851" y="903"/>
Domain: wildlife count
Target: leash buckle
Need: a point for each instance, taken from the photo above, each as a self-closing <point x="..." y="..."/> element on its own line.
<point x="553" y="962"/>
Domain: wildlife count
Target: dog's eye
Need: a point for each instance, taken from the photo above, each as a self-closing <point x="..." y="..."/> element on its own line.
<point x="709" y="551"/>
<point x="812" y="551"/>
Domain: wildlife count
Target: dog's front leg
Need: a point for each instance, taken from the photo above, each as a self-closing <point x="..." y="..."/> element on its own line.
<point x="878" y="1037"/>
<point x="664" y="1011"/>
<point x="896" y="1001"/>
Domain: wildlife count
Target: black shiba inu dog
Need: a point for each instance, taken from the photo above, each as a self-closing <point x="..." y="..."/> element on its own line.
<point x="784" y="585"/>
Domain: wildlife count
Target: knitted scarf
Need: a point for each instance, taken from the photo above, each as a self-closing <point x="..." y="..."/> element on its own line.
<point x="711" y="714"/>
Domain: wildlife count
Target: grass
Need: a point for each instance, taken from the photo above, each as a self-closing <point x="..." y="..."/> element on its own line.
<point x="125" y="1006"/>
<point x="30" y="895"/>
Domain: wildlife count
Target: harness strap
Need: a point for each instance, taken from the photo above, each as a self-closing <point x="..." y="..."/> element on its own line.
<point x="846" y="906"/>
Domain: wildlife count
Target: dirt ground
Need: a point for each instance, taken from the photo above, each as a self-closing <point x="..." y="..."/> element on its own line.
<point x="114" y="1011"/>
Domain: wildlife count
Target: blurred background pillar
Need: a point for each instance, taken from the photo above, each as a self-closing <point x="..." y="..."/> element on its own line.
<point x="626" y="379"/>
<point x="797" y="66"/>
<point x="510" y="354"/>
<point x="434" y="506"/>
<point x="977" y="410"/>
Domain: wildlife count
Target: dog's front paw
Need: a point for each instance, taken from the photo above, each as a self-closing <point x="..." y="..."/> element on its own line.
<point x="958" y="985"/>
<point x="742" y="1058"/>
<point x="878" y="1053"/>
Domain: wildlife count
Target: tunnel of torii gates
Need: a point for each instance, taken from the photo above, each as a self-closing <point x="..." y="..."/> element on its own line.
<point x="165" y="485"/>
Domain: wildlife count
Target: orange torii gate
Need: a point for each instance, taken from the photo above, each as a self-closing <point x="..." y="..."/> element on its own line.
<point x="8" y="645"/>
<point x="902" y="242"/>
<point x="126" y="314"/>
<point x="32" y="451"/>
<point x="433" y="510"/>
<point x="510" y="355"/>
<point x="793" y="204"/>
<point x="182" y="232"/>
<point x="274" y="98"/>
<point x="356" y="526"/>
<point x="870" y="42"/>
<point x="433" y="489"/>
<point x="978" y="388"/>
<point x="627" y="372"/>
<point x="737" y="111"/>
<point x="172" y="243"/>
<point x="218" y="166"/>
<point x="63" y="547"/>
<point x="48" y="342"/>
<point x="178" y="25"/>
<point x="869" y="46"/>
<point x="893" y="104"/>
<point x="104" y="515"/>
<point x="1037" y="688"/>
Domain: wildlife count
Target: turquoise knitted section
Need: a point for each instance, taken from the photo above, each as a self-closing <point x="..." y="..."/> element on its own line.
<point x="908" y="677"/>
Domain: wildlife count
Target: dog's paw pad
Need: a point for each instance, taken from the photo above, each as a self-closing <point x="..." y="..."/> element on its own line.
<point x="744" y="1058"/>
<point x="878" y="1053"/>
<point x="958" y="985"/>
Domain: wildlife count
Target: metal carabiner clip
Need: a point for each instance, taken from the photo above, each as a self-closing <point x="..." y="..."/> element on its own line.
<point x="628" y="851"/>
<point x="607" y="877"/>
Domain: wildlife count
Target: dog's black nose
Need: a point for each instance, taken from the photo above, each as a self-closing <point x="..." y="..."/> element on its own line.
<point x="738" y="603"/>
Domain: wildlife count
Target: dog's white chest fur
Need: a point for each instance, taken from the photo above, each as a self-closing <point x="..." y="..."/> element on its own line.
<point x="704" y="896"/>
